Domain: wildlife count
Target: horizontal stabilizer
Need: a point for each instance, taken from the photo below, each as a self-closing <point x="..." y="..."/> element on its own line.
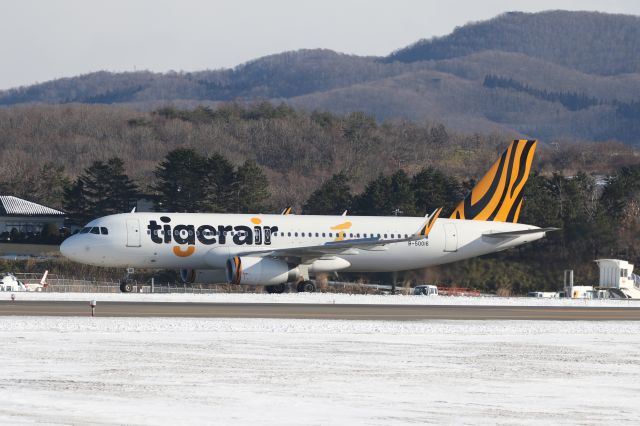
<point x="512" y="234"/>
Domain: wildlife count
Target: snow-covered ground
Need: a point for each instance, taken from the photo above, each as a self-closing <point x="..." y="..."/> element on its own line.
<point x="158" y="371"/>
<point x="338" y="298"/>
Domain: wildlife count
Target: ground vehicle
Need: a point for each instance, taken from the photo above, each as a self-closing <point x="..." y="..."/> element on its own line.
<point x="426" y="290"/>
<point x="9" y="282"/>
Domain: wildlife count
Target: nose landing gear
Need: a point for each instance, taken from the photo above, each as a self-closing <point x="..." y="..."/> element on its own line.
<point x="126" y="283"/>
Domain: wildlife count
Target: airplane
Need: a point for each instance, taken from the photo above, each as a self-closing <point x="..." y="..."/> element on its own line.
<point x="275" y="250"/>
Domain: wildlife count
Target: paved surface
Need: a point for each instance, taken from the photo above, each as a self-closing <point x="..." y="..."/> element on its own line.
<point x="317" y="311"/>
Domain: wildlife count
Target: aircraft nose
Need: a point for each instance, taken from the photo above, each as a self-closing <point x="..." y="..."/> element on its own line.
<point x="69" y="247"/>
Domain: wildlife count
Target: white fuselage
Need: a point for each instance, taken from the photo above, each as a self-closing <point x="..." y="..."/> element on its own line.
<point x="198" y="240"/>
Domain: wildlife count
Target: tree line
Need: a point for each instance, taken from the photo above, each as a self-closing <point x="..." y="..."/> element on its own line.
<point x="597" y="216"/>
<point x="185" y="181"/>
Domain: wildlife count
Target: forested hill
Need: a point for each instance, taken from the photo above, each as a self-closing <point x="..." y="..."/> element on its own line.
<point x="596" y="43"/>
<point x="552" y="75"/>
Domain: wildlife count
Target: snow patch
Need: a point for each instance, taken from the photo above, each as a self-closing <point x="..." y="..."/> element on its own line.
<point x="337" y="298"/>
<point x="166" y="371"/>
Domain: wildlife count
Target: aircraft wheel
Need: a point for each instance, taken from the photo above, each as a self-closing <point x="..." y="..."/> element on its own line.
<point x="126" y="287"/>
<point x="275" y="289"/>
<point x="300" y="287"/>
<point x="308" y="286"/>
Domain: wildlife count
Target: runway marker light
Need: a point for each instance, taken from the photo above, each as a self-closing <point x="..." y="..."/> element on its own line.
<point x="93" y="308"/>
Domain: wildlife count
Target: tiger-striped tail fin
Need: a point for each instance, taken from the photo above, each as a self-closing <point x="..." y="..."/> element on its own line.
<point x="498" y="195"/>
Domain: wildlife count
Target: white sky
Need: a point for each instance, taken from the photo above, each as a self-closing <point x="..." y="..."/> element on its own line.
<point x="46" y="39"/>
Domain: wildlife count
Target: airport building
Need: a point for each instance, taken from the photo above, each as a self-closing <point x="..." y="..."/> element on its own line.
<point x="25" y="217"/>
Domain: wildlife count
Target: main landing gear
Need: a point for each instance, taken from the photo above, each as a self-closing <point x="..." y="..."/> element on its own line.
<point x="306" y="286"/>
<point x="275" y="289"/>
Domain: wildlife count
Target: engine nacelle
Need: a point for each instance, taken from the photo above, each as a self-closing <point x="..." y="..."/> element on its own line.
<point x="203" y="276"/>
<point x="260" y="271"/>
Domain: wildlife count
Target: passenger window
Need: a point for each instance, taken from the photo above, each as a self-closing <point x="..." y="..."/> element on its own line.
<point x="95" y="230"/>
<point x="323" y="235"/>
<point x="392" y="235"/>
<point x="296" y="234"/>
<point x="104" y="231"/>
<point x="303" y="234"/>
<point x="330" y="234"/>
<point x="358" y="235"/>
<point x="85" y="230"/>
<point x="317" y="234"/>
<point x="385" y="235"/>
<point x="288" y="234"/>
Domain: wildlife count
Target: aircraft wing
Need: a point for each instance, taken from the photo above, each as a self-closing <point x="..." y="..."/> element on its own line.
<point x="306" y="253"/>
<point x="332" y="247"/>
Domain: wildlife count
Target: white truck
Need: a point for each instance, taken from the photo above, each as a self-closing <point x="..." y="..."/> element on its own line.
<point x="425" y="290"/>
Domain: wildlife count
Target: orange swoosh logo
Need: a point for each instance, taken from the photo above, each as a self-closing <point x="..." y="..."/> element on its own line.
<point x="345" y="225"/>
<point x="177" y="250"/>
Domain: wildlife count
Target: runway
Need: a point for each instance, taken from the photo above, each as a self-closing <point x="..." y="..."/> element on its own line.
<point x="318" y="311"/>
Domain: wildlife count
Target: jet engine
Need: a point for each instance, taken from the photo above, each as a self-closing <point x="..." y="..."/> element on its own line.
<point x="203" y="276"/>
<point x="260" y="271"/>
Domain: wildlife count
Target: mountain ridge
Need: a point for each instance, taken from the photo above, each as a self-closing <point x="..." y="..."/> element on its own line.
<point x="566" y="55"/>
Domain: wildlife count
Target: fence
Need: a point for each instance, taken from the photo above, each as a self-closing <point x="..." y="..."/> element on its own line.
<point x="59" y="284"/>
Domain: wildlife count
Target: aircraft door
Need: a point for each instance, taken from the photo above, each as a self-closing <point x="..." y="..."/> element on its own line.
<point x="450" y="237"/>
<point x="133" y="233"/>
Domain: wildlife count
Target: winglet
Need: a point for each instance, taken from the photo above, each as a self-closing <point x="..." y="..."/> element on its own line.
<point x="287" y="211"/>
<point x="426" y="228"/>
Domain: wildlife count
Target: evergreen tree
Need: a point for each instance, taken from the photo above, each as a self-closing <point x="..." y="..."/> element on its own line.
<point x="221" y="183"/>
<point x="375" y="199"/>
<point x="401" y="197"/>
<point x="107" y="189"/>
<point x="182" y="183"/>
<point x="333" y="197"/>
<point x="433" y="189"/>
<point x="252" y="189"/>
<point x="75" y="203"/>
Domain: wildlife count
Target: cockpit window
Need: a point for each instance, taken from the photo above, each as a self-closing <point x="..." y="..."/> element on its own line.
<point x="95" y="230"/>
<point x="85" y="230"/>
<point x="104" y="231"/>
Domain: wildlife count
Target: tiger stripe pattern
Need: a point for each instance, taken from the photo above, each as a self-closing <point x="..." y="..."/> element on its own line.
<point x="498" y="195"/>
